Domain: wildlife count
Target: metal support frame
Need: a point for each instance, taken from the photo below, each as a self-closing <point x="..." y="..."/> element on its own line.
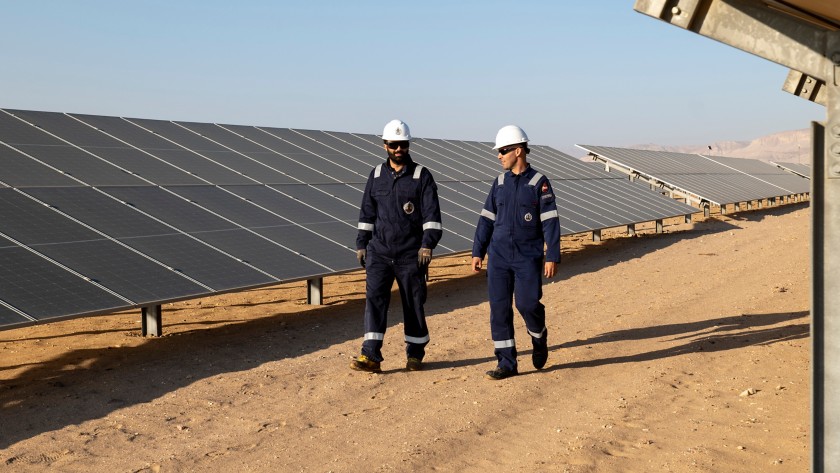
<point x="825" y="282"/>
<point x="808" y="43"/>
<point x="315" y="291"/>
<point x="151" y="321"/>
<point x="631" y="229"/>
<point x="659" y="226"/>
<point x="596" y="235"/>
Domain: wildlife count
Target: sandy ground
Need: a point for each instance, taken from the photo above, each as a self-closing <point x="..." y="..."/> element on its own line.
<point x="685" y="351"/>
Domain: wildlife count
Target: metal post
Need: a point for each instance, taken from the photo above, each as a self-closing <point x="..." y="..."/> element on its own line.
<point x="314" y="291"/>
<point x="659" y="227"/>
<point x="631" y="229"/>
<point x="825" y="297"/>
<point x="151" y="321"/>
<point x="596" y="235"/>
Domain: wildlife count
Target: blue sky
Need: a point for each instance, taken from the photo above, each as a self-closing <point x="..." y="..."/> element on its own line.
<point x="590" y="72"/>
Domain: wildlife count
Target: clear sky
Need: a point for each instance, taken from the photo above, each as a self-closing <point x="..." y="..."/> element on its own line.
<point x="591" y="71"/>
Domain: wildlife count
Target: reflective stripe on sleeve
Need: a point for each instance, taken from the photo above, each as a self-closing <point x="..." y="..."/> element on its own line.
<point x="537" y="335"/>
<point x="488" y="214"/>
<point x="534" y="179"/>
<point x="374" y="336"/>
<point x="417" y="171"/>
<point x="504" y="343"/>
<point x="432" y="226"/>
<point x="368" y="227"/>
<point x="501" y="179"/>
<point x="548" y="215"/>
<point x="417" y="340"/>
<point x="377" y="171"/>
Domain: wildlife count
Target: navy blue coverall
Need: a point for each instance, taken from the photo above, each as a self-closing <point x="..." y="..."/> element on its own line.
<point x="519" y="218"/>
<point x="399" y="214"/>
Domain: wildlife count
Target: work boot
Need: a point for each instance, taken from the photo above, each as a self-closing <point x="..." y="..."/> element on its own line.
<point x="539" y="356"/>
<point x="414" y="364"/>
<point x="501" y="373"/>
<point x="363" y="363"/>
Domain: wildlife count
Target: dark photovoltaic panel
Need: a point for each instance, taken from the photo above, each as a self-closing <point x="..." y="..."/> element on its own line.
<point x="187" y="161"/>
<point x="110" y="213"/>
<point x="268" y="223"/>
<point x="60" y="155"/>
<point x="115" y="267"/>
<point x="206" y="226"/>
<point x="796" y="168"/>
<point x="19" y="170"/>
<point x="767" y="173"/>
<point x="154" y="239"/>
<point x="42" y="289"/>
<point x="288" y="158"/>
<point x="110" y="149"/>
<point x="691" y="174"/>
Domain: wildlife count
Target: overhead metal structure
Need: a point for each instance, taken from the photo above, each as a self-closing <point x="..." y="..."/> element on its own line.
<point x="803" y="35"/>
<point x="99" y="214"/>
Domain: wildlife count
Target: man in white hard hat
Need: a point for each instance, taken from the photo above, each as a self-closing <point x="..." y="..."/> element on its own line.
<point x="518" y="220"/>
<point x="399" y="226"/>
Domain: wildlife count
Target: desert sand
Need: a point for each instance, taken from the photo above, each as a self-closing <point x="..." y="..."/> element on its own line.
<point x="686" y="351"/>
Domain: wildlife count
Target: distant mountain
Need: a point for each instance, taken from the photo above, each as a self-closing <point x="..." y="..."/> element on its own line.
<point x="786" y="146"/>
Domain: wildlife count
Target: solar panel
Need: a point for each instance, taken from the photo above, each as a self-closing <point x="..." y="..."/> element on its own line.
<point x="154" y="239"/>
<point x="232" y="212"/>
<point x="19" y="170"/>
<point x="39" y="288"/>
<point x="187" y="161"/>
<point x="797" y="168"/>
<point x="109" y="149"/>
<point x="60" y="155"/>
<point x="766" y="173"/>
<point x="249" y="157"/>
<point x="690" y="174"/>
<point x="89" y="253"/>
<point x="283" y="157"/>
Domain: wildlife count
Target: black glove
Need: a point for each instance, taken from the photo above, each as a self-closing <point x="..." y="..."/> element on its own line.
<point x="424" y="257"/>
<point x="360" y="255"/>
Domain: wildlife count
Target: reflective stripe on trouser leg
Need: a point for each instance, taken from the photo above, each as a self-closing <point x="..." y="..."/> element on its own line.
<point x="411" y="281"/>
<point x="500" y="288"/>
<point x="378" y="282"/>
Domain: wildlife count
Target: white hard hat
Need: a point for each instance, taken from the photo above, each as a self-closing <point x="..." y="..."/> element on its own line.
<point x="510" y="135"/>
<point x="396" y="130"/>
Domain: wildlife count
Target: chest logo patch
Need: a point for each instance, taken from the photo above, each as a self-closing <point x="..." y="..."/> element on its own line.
<point x="528" y="217"/>
<point x="408" y="208"/>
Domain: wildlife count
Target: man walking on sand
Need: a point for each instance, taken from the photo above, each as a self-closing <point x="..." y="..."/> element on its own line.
<point x="399" y="226"/>
<point x="518" y="220"/>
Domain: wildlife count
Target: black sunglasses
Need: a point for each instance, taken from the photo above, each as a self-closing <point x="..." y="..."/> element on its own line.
<point x="397" y="144"/>
<point x="504" y="151"/>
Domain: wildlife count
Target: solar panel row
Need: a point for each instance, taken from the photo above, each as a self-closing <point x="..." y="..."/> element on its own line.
<point x="106" y="213"/>
<point x="699" y="178"/>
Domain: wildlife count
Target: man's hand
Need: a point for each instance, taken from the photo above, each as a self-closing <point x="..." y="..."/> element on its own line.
<point x="361" y="255"/>
<point x="476" y="264"/>
<point x="550" y="268"/>
<point x="424" y="257"/>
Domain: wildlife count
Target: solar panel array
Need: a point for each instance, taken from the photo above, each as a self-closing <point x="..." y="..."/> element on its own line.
<point x="104" y="213"/>
<point x="796" y="168"/>
<point x="714" y="179"/>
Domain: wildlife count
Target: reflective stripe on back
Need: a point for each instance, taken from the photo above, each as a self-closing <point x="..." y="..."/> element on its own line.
<point x="377" y="171"/>
<point x="417" y="171"/>
<point x="501" y="179"/>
